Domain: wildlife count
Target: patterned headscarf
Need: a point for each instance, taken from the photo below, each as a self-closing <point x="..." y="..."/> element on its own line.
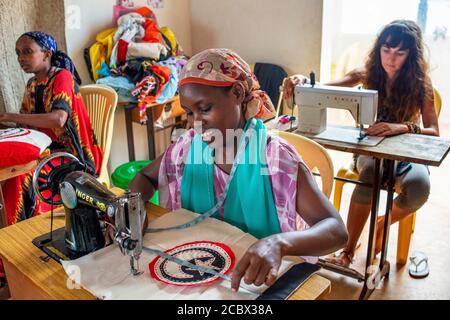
<point x="222" y="68"/>
<point x="59" y="58"/>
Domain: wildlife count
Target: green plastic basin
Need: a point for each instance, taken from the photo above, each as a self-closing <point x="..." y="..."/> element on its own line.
<point x="122" y="176"/>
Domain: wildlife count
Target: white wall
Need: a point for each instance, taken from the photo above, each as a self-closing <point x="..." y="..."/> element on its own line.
<point x="283" y="32"/>
<point x="96" y="16"/>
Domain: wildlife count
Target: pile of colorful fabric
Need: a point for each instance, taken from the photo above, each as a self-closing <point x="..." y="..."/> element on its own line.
<point x="138" y="59"/>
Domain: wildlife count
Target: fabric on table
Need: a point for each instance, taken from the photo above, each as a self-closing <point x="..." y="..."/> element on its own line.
<point x="111" y="283"/>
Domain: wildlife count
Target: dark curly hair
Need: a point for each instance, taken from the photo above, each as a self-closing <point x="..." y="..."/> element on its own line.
<point x="412" y="85"/>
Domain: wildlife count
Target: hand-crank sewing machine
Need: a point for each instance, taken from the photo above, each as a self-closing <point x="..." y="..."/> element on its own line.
<point x="91" y="211"/>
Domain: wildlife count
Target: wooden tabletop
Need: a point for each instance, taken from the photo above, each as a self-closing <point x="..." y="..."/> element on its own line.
<point x="14" y="171"/>
<point x="47" y="280"/>
<point x="8" y="173"/>
<point x="416" y="148"/>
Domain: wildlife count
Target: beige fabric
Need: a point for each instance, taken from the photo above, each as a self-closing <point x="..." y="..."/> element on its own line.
<point x="105" y="273"/>
<point x="146" y="50"/>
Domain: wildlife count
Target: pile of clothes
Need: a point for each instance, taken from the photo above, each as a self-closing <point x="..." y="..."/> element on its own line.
<point x="140" y="60"/>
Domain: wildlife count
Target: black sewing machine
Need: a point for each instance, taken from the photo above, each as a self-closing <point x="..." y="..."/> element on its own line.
<point x="92" y="212"/>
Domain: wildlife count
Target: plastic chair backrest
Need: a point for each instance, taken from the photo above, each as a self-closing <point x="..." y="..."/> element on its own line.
<point x="315" y="156"/>
<point x="437" y="101"/>
<point x="101" y="103"/>
<point x="278" y="107"/>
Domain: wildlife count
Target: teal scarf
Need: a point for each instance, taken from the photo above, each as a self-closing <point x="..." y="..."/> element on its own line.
<point x="249" y="203"/>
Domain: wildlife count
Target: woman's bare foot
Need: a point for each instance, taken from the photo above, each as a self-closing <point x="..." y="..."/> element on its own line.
<point x="344" y="259"/>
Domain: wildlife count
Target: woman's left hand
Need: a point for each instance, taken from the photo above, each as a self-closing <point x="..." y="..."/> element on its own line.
<point x="383" y="129"/>
<point x="259" y="264"/>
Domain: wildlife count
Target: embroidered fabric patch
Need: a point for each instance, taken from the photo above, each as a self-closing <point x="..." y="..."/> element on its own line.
<point x="203" y="254"/>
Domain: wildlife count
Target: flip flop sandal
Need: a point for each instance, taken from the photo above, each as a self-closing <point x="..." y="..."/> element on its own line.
<point x="419" y="268"/>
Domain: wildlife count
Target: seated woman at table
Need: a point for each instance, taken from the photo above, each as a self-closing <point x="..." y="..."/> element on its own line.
<point x="396" y="67"/>
<point x="275" y="202"/>
<point x="52" y="104"/>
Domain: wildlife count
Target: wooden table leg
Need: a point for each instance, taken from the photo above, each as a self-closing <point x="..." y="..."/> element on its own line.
<point x="3" y="218"/>
<point x="129" y="128"/>
<point x="150" y="134"/>
<point x="390" y="165"/>
<point x="368" y="288"/>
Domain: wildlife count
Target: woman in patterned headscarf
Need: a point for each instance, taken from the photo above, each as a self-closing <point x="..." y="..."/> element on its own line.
<point x="227" y="161"/>
<point x="53" y="105"/>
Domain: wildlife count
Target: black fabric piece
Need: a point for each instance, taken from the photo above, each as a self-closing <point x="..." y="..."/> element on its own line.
<point x="29" y="201"/>
<point x="87" y="59"/>
<point x="133" y="70"/>
<point x="55" y="147"/>
<point x="62" y="60"/>
<point x="289" y="282"/>
<point x="270" y="77"/>
<point x="169" y="48"/>
<point x="3" y="282"/>
<point x="39" y="98"/>
<point x="39" y="106"/>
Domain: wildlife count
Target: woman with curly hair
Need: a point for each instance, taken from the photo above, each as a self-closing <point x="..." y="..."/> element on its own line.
<point x="397" y="69"/>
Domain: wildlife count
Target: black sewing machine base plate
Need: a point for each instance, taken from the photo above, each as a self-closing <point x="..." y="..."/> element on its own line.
<point x="56" y="248"/>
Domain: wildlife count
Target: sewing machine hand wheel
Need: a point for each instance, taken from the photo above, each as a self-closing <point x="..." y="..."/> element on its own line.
<point x="50" y="172"/>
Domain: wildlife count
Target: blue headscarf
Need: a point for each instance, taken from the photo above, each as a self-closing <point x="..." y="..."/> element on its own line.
<point x="59" y="58"/>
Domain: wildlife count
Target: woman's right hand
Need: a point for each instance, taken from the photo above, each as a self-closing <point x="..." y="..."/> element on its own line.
<point x="260" y="264"/>
<point x="290" y="84"/>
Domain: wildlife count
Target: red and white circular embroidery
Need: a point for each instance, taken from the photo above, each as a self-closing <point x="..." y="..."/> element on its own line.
<point x="13" y="133"/>
<point x="19" y="146"/>
<point x="212" y="255"/>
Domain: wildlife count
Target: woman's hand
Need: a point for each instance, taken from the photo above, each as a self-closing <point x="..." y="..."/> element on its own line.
<point x="290" y="84"/>
<point x="384" y="129"/>
<point x="259" y="264"/>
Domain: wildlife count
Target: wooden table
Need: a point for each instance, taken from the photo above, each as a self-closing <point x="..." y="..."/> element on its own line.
<point x="415" y="148"/>
<point x="153" y="112"/>
<point x="29" y="277"/>
<point x="8" y="173"/>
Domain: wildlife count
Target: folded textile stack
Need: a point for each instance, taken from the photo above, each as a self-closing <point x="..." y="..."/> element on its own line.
<point x="138" y="59"/>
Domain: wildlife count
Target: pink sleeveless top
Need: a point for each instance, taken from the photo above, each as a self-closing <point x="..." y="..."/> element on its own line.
<point x="282" y="161"/>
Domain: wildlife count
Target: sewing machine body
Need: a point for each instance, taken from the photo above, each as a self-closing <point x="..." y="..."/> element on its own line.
<point x="313" y="103"/>
<point x="89" y="209"/>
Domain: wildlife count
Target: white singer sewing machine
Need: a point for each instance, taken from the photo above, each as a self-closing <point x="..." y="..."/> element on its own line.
<point x="313" y="102"/>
